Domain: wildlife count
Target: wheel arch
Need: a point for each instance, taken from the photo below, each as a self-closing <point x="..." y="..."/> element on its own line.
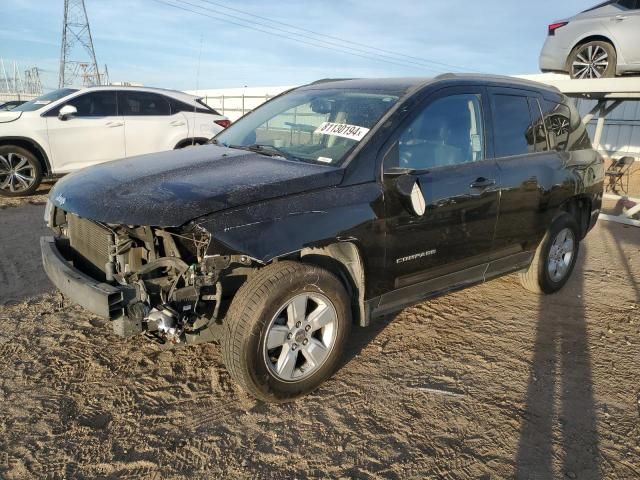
<point x="594" y="37"/>
<point x="188" y="141"/>
<point x="344" y="260"/>
<point x="32" y="146"/>
<point x="579" y="207"/>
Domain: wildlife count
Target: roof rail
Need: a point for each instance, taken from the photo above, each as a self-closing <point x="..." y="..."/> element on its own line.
<point x="327" y="80"/>
<point x="445" y="76"/>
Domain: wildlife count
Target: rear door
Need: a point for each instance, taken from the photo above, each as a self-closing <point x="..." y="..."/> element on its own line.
<point x="625" y="28"/>
<point x="150" y="126"/>
<point x="94" y="135"/>
<point x="527" y="167"/>
<point x="444" y="147"/>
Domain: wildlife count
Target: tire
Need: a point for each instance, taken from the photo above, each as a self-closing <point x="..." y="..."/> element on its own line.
<point x="539" y="277"/>
<point x="595" y="59"/>
<point x="188" y="144"/>
<point x="254" y="317"/>
<point x="20" y="171"/>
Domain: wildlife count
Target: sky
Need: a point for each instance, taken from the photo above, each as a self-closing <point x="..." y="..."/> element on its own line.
<point x="151" y="42"/>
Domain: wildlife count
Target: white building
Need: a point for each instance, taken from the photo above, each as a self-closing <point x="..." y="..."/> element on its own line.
<point x="235" y="102"/>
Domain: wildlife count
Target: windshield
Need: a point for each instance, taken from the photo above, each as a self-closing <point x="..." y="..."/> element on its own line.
<point x="44" y="100"/>
<point x="318" y="126"/>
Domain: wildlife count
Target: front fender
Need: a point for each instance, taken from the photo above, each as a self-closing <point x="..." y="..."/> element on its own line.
<point x="277" y="227"/>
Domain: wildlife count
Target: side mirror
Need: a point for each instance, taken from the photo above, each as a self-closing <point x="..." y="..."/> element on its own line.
<point x="67" y="112"/>
<point x="408" y="187"/>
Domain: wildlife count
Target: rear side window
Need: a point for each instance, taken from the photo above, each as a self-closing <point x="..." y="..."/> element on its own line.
<point x="565" y="128"/>
<point x="513" y="130"/>
<point x="135" y="104"/>
<point x="537" y="133"/>
<point x="630" y="4"/>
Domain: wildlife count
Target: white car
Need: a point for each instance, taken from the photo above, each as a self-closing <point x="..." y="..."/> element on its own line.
<point x="67" y="129"/>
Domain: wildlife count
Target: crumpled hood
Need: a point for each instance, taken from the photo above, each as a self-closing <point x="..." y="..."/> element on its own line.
<point x="171" y="188"/>
<point x="10" y="116"/>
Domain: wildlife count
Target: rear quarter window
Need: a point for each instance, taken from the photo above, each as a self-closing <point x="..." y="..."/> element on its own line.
<point x="564" y="126"/>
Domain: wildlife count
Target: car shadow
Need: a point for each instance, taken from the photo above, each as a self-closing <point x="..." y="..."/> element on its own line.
<point x="560" y="425"/>
<point x="360" y="337"/>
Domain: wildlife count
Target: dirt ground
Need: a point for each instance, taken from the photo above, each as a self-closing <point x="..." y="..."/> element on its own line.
<point x="491" y="382"/>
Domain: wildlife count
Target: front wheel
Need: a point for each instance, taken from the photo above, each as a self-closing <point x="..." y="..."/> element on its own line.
<point x="20" y="172"/>
<point x="555" y="257"/>
<point x="593" y="60"/>
<point x="286" y="330"/>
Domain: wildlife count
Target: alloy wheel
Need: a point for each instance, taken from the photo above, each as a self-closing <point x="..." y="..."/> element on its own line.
<point x="561" y="255"/>
<point x="591" y="61"/>
<point x="16" y="173"/>
<point x="300" y="337"/>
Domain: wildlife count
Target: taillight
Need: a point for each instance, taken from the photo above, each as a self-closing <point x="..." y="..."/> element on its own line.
<point x="223" y="123"/>
<point x="555" y="26"/>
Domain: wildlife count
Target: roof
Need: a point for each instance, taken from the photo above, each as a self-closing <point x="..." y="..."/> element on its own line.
<point x="410" y="83"/>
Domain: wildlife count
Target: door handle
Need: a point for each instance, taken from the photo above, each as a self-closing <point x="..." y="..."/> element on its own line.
<point x="114" y="124"/>
<point x="619" y="18"/>
<point x="482" y="183"/>
<point x="177" y="123"/>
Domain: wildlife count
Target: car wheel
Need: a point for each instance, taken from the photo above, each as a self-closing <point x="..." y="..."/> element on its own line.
<point x="555" y="257"/>
<point x="20" y="172"/>
<point x="189" y="144"/>
<point x="286" y="330"/>
<point x="593" y="60"/>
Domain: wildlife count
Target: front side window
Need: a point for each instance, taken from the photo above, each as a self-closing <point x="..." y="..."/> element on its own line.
<point x="513" y="129"/>
<point x="316" y="125"/>
<point x="138" y="104"/>
<point x="94" y="104"/>
<point x="449" y="131"/>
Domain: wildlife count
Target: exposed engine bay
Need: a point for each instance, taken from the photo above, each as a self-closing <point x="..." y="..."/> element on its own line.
<point x="174" y="288"/>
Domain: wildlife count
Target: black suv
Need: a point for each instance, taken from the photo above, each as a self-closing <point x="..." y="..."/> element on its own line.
<point x="331" y="204"/>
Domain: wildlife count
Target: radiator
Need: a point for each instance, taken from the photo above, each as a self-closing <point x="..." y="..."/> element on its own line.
<point x="90" y="242"/>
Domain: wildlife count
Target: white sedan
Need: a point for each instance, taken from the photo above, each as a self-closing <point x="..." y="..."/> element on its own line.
<point x="69" y="129"/>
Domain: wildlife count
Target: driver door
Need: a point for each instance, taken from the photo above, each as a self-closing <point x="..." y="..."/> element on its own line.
<point x="94" y="135"/>
<point x="442" y="150"/>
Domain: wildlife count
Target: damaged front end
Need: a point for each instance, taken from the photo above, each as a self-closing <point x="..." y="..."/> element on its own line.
<point x="160" y="282"/>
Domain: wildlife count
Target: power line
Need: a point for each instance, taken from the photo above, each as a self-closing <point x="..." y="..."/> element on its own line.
<point x="249" y="25"/>
<point x="369" y="56"/>
<point x="368" y="47"/>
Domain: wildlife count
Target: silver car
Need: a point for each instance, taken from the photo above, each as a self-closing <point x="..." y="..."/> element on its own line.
<point x="603" y="41"/>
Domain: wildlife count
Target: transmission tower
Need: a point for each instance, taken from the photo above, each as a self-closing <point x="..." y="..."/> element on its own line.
<point x="76" y="39"/>
<point x="32" y="83"/>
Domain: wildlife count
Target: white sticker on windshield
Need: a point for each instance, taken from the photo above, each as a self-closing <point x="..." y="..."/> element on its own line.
<point x="325" y="159"/>
<point x="42" y="102"/>
<point x="476" y="144"/>
<point x="344" y="130"/>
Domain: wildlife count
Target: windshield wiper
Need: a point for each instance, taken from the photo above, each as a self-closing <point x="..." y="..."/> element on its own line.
<point x="268" y="150"/>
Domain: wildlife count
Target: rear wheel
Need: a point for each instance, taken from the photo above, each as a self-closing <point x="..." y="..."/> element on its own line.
<point x="286" y="330"/>
<point x="555" y="257"/>
<point x="20" y="171"/>
<point x="593" y="60"/>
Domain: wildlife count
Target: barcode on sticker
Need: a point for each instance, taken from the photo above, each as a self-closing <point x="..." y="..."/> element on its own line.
<point x="343" y="130"/>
